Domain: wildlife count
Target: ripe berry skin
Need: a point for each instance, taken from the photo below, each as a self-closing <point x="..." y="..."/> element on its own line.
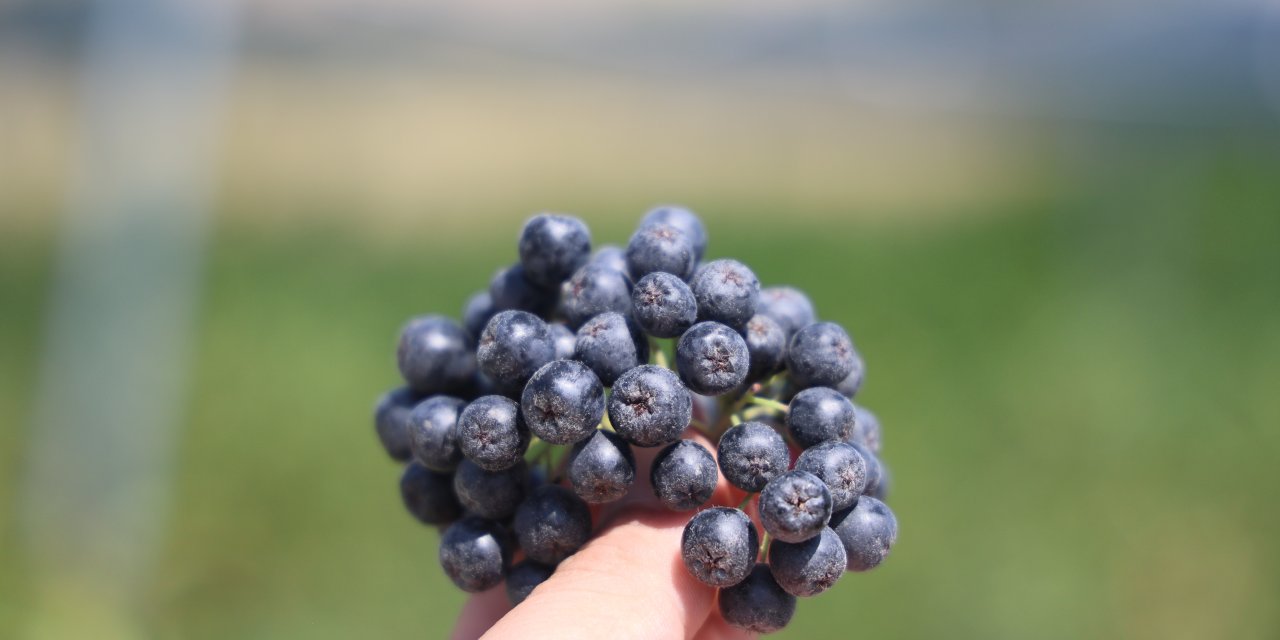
<point x="757" y="604"/>
<point x="492" y="434"/>
<point x="820" y="355"/>
<point x="719" y="546"/>
<point x="727" y="292"/>
<point x="795" y="506"/>
<point x="434" y="355"/>
<point x="840" y="467"/>
<point x="712" y="359"/>
<point x="660" y="247"/>
<point x="810" y="567"/>
<point x="881" y="490"/>
<point x="512" y="347"/>
<point x="875" y="470"/>
<point x="682" y="219"/>
<point x="433" y="432"/>
<point x="867" y="530"/>
<point x="552" y="524"/>
<point x="751" y="454"/>
<point x="853" y="382"/>
<point x="663" y="305"/>
<point x="601" y="468"/>
<point x="552" y="247"/>
<point x="475" y="553"/>
<point x="491" y="494"/>
<point x="683" y="476"/>
<point x="610" y="256"/>
<point x="593" y="290"/>
<point x="611" y="344"/>
<point x="428" y="495"/>
<point x="563" y="402"/>
<point x="476" y="314"/>
<point x="820" y="414"/>
<point x="511" y="289"/>
<point x="391" y="422"/>
<point x="766" y="347"/>
<point x="564" y="340"/>
<point x="866" y="430"/>
<point x="789" y="306"/>
<point x="649" y="407"/>
<point x="524" y="578"/>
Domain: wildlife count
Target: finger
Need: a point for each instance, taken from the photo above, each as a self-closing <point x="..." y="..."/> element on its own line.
<point x="481" y="612"/>
<point x="628" y="582"/>
<point x="716" y="628"/>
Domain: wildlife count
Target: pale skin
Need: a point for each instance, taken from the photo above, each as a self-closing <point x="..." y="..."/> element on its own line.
<point x="627" y="582"/>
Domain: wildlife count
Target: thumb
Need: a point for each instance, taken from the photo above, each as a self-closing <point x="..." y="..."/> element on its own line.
<point x="628" y="582"/>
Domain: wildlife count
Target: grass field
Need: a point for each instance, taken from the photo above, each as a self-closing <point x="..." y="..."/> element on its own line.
<point x="1078" y="400"/>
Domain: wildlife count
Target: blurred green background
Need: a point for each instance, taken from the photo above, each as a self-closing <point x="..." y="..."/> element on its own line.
<point x="1071" y="323"/>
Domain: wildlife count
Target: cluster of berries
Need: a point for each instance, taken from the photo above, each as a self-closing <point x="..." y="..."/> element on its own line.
<point x="516" y="420"/>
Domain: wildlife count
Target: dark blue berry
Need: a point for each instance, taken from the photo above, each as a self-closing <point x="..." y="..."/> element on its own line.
<point x="611" y="344"/>
<point x="563" y="402"/>
<point x="875" y="470"/>
<point x="820" y="355"/>
<point x="853" y="382"/>
<point x="682" y="219"/>
<point x="434" y="355"/>
<point x="649" y="407"/>
<point x="552" y="247"/>
<point x="661" y="247"/>
<point x="524" y="578"/>
<point x="511" y="289"/>
<point x="552" y="524"/>
<point x="433" y="432"/>
<point x="766" y="347"/>
<point x="601" y="468"/>
<point x="751" y="454"/>
<point x="820" y="414"/>
<point x="881" y="489"/>
<point x="512" y="347"/>
<point x="564" y="340"/>
<point x="840" y="467"/>
<point x="727" y="292"/>
<point x="475" y="553"/>
<point x="611" y="256"/>
<point x="663" y="305"/>
<point x="757" y="604"/>
<point x="391" y="421"/>
<point x="790" y="307"/>
<point x="867" y="531"/>
<point x="683" y="476"/>
<point x="712" y="359"/>
<point x="428" y="495"/>
<point x="492" y="434"/>
<point x="810" y="567"/>
<point x="476" y="314"/>
<point x="795" y="506"/>
<point x="491" y="494"/>
<point x="594" y="289"/>
<point x="719" y="546"/>
<point x="866" y="429"/>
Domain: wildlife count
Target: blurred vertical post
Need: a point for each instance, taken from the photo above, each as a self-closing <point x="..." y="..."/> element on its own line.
<point x="113" y="377"/>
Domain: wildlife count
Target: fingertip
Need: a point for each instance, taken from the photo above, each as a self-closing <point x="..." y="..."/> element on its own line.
<point x="481" y="612"/>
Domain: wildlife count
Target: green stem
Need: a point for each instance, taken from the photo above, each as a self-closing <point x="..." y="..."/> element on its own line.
<point x="734" y="419"/>
<point x="764" y="545"/>
<point x="605" y="423"/>
<point x="770" y="403"/>
<point x="746" y="501"/>
<point x="659" y="358"/>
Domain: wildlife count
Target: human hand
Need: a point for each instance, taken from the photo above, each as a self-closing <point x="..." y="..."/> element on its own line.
<point x="627" y="582"/>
